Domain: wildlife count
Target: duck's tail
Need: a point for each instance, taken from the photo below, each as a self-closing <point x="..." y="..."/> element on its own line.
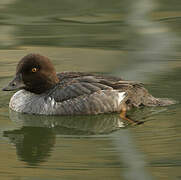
<point x="141" y="97"/>
<point x="152" y="101"/>
<point x="165" y="101"/>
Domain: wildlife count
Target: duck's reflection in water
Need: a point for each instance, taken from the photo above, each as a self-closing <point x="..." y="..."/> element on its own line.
<point x="71" y="125"/>
<point x="36" y="136"/>
<point x="33" y="144"/>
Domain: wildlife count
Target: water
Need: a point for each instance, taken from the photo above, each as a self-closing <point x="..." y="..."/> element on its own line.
<point x="138" y="40"/>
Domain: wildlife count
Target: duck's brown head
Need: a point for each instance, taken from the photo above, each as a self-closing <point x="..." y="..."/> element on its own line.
<point x="34" y="73"/>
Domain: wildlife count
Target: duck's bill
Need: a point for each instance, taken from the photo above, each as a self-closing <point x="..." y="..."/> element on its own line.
<point x="15" y="84"/>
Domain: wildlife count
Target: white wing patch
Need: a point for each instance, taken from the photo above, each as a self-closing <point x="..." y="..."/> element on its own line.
<point x="53" y="102"/>
<point x="121" y="96"/>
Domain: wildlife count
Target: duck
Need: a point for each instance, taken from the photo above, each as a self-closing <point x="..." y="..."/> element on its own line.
<point x="43" y="91"/>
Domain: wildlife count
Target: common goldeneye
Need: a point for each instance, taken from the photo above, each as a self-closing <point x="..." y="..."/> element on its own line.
<point x="42" y="91"/>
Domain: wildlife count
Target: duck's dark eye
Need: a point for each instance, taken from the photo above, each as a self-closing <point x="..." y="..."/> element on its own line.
<point x="34" y="70"/>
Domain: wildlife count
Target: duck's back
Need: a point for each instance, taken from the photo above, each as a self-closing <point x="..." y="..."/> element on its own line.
<point x="135" y="95"/>
<point x="84" y="93"/>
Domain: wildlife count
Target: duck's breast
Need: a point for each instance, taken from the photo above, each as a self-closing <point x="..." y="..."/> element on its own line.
<point x="104" y="101"/>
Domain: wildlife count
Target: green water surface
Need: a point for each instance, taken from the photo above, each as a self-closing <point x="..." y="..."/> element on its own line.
<point x="137" y="40"/>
